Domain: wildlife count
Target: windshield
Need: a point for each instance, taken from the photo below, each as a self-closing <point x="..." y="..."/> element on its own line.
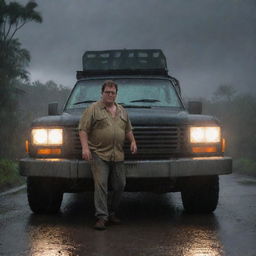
<point x="131" y="93"/>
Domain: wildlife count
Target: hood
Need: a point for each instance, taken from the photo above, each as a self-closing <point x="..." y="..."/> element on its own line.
<point x="167" y="116"/>
<point x="138" y="117"/>
<point x="64" y="119"/>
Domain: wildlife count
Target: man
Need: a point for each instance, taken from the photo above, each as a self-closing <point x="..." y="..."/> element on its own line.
<point x="102" y="130"/>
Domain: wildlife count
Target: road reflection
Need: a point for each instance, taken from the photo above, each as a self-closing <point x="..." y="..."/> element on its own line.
<point x="201" y="242"/>
<point x="152" y="226"/>
<point x="49" y="238"/>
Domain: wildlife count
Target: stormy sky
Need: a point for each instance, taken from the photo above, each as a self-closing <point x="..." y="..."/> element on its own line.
<point x="206" y="42"/>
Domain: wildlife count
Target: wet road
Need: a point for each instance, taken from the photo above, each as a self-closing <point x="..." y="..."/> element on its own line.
<point x="153" y="225"/>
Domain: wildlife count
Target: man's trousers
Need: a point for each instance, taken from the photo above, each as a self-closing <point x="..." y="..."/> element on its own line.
<point x="107" y="173"/>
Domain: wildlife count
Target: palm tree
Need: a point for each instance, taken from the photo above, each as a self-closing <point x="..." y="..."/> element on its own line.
<point x="14" y="16"/>
<point x="13" y="58"/>
<point x="13" y="63"/>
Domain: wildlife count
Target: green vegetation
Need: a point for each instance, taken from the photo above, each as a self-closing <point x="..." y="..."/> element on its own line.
<point x="20" y="101"/>
<point x="9" y="175"/>
<point x="13" y="66"/>
<point x="13" y="63"/>
<point x="245" y="166"/>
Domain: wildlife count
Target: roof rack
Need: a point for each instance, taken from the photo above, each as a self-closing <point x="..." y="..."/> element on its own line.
<point x="125" y="62"/>
<point x="136" y="61"/>
<point x="154" y="72"/>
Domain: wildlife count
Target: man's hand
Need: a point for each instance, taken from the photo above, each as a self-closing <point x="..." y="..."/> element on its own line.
<point x="86" y="154"/>
<point x="133" y="147"/>
<point x="131" y="138"/>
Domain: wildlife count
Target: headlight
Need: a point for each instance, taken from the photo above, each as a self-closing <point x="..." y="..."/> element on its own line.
<point x="205" y="134"/>
<point x="47" y="136"/>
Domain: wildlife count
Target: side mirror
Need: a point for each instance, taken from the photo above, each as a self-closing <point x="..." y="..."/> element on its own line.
<point x="53" y="109"/>
<point x="195" y="107"/>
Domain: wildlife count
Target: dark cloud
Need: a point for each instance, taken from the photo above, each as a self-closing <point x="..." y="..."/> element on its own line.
<point x="207" y="42"/>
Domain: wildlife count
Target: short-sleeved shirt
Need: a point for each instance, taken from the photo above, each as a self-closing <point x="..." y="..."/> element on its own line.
<point x="106" y="134"/>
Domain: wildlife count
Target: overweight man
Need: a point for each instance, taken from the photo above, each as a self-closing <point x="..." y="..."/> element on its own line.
<point x="103" y="128"/>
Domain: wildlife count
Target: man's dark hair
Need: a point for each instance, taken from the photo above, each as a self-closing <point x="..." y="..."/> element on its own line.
<point x="109" y="83"/>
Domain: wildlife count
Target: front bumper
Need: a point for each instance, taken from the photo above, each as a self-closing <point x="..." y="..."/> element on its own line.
<point x="182" y="167"/>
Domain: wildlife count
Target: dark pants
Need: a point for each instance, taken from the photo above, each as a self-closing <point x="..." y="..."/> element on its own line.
<point x="104" y="171"/>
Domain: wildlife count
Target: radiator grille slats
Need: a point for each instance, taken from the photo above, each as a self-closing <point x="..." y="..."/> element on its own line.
<point x="154" y="142"/>
<point x="157" y="142"/>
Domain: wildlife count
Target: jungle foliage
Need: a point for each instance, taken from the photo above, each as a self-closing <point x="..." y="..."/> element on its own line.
<point x="14" y="61"/>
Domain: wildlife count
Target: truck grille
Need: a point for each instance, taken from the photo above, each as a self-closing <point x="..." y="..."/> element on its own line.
<point x="73" y="145"/>
<point x="153" y="142"/>
<point x="157" y="142"/>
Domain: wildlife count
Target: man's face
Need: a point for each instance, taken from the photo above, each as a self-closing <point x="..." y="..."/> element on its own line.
<point x="109" y="95"/>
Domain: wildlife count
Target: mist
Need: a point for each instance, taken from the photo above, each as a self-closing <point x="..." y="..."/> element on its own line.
<point x="206" y="42"/>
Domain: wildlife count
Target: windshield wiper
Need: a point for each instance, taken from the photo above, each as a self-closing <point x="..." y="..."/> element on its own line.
<point x="133" y="106"/>
<point x="145" y="100"/>
<point x="85" y="101"/>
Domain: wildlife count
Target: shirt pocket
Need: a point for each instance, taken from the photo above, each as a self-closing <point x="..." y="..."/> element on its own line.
<point x="100" y="121"/>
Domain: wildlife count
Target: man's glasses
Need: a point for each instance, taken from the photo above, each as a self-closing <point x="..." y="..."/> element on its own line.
<point x="110" y="92"/>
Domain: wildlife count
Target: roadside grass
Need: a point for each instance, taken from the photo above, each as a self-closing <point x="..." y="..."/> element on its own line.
<point x="245" y="166"/>
<point x="9" y="175"/>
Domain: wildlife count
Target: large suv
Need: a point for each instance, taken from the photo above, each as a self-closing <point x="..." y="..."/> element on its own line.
<point x="179" y="149"/>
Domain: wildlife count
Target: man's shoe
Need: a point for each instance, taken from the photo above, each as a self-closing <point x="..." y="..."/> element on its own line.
<point x="100" y="224"/>
<point x="114" y="220"/>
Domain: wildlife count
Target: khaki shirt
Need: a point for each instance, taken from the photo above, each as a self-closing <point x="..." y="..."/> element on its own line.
<point x="106" y="134"/>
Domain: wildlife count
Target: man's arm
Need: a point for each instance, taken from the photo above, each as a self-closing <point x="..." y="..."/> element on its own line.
<point x="132" y="140"/>
<point x="86" y="153"/>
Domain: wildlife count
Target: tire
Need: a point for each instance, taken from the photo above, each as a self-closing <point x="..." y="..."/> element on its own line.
<point x="200" y="194"/>
<point x="44" y="195"/>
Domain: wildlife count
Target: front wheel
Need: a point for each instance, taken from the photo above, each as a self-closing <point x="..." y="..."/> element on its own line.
<point x="200" y="194"/>
<point x="44" y="195"/>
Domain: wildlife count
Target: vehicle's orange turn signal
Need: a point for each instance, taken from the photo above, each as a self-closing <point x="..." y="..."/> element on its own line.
<point x="49" y="151"/>
<point x="212" y="149"/>
<point x="27" y="146"/>
<point x="223" y="145"/>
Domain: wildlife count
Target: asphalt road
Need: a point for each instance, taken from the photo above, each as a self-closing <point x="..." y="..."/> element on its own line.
<point x="153" y="225"/>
